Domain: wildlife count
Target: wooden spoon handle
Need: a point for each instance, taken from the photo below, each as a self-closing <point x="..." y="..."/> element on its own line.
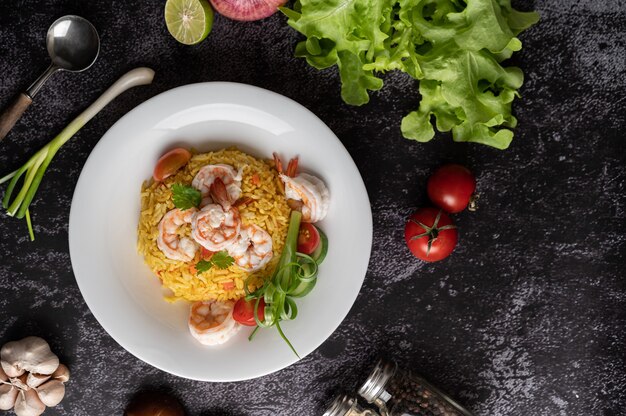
<point x="13" y="113"/>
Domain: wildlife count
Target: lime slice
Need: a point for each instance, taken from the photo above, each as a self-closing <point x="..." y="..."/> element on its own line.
<point x="189" y="21"/>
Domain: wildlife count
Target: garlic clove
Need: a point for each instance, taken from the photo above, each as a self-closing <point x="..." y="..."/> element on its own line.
<point x="28" y="404"/>
<point x="8" y="394"/>
<point x="35" y="380"/>
<point x="20" y="382"/>
<point x="51" y="393"/>
<point x="62" y="373"/>
<point x="32" y="354"/>
<point x="10" y="370"/>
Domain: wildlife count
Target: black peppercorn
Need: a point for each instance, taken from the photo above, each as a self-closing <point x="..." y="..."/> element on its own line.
<point x="401" y="393"/>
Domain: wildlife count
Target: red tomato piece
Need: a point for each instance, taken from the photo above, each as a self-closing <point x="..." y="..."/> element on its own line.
<point x="206" y="254"/>
<point x="243" y="312"/>
<point x="170" y="162"/>
<point x="308" y="238"/>
<point x="451" y="187"/>
<point x="430" y="234"/>
<point x="228" y="285"/>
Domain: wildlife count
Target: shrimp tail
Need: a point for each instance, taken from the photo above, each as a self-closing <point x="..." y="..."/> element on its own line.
<point x="278" y="162"/>
<point x="292" y="167"/>
<point x="242" y="201"/>
<point x="295" y="205"/>
<point x="279" y="168"/>
<point x="219" y="193"/>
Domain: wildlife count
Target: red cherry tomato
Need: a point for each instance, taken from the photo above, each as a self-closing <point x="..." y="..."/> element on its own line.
<point x="430" y="234"/>
<point x="170" y="162"/>
<point x="308" y="238"/>
<point x="451" y="187"/>
<point x="206" y="254"/>
<point x="243" y="312"/>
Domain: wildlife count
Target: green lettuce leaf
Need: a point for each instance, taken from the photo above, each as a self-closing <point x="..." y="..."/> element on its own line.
<point x="454" y="48"/>
<point x="345" y="33"/>
<point x="517" y="21"/>
<point x="469" y="93"/>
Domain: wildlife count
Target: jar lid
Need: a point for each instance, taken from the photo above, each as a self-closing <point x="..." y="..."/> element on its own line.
<point x="340" y="406"/>
<point x="374" y="386"/>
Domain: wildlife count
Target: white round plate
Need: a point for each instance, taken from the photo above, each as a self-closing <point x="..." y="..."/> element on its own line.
<point x="121" y="291"/>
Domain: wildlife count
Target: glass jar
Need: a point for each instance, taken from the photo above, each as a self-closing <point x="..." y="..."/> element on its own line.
<point x="400" y="393"/>
<point x="344" y="405"/>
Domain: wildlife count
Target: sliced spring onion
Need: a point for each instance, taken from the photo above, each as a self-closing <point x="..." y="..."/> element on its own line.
<point x="34" y="169"/>
<point x="275" y="292"/>
<point x="283" y="336"/>
<point x="294" y="277"/>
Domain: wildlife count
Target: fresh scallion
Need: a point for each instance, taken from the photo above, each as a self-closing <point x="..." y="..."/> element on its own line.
<point x="280" y="290"/>
<point x="29" y="224"/>
<point x="34" y="169"/>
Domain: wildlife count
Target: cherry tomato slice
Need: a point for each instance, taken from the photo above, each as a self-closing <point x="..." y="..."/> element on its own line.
<point x="206" y="254"/>
<point x="243" y="312"/>
<point x="308" y="238"/>
<point x="170" y="162"/>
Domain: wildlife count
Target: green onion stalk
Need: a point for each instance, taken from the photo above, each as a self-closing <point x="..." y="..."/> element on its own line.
<point x="281" y="289"/>
<point x="33" y="170"/>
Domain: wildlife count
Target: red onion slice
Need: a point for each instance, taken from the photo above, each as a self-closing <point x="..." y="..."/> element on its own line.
<point x="247" y="10"/>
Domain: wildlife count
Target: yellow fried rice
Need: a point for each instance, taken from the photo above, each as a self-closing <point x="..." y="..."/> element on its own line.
<point x="268" y="210"/>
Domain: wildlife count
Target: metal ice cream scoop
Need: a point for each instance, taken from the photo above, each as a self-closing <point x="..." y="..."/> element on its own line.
<point x="73" y="45"/>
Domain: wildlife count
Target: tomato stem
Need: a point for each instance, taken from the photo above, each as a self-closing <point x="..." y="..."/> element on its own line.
<point x="473" y="203"/>
<point x="431" y="232"/>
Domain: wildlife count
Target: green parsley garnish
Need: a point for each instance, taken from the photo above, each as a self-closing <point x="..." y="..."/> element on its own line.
<point x="221" y="260"/>
<point x="185" y="196"/>
<point x="204" y="266"/>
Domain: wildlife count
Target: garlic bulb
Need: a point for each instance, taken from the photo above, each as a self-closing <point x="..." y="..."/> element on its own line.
<point x="31" y="377"/>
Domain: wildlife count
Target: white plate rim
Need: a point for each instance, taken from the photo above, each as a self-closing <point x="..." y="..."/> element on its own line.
<point x="127" y="121"/>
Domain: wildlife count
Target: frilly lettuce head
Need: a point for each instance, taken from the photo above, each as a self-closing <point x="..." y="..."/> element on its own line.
<point x="453" y="47"/>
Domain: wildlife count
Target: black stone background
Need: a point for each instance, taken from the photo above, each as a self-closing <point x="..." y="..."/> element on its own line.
<point x="527" y="317"/>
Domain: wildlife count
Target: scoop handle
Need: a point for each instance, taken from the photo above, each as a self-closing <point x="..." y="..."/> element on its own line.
<point x="13" y="113"/>
<point x="133" y="78"/>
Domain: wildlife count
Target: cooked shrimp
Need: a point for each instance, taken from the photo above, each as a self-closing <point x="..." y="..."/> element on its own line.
<point x="215" y="228"/>
<point x="253" y="248"/>
<point x="311" y="191"/>
<point x="212" y="323"/>
<point x="304" y="192"/>
<point x="217" y="225"/>
<point x="207" y="175"/>
<point x="168" y="241"/>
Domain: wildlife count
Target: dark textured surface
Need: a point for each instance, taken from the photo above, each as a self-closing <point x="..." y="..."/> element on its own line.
<point x="527" y="317"/>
